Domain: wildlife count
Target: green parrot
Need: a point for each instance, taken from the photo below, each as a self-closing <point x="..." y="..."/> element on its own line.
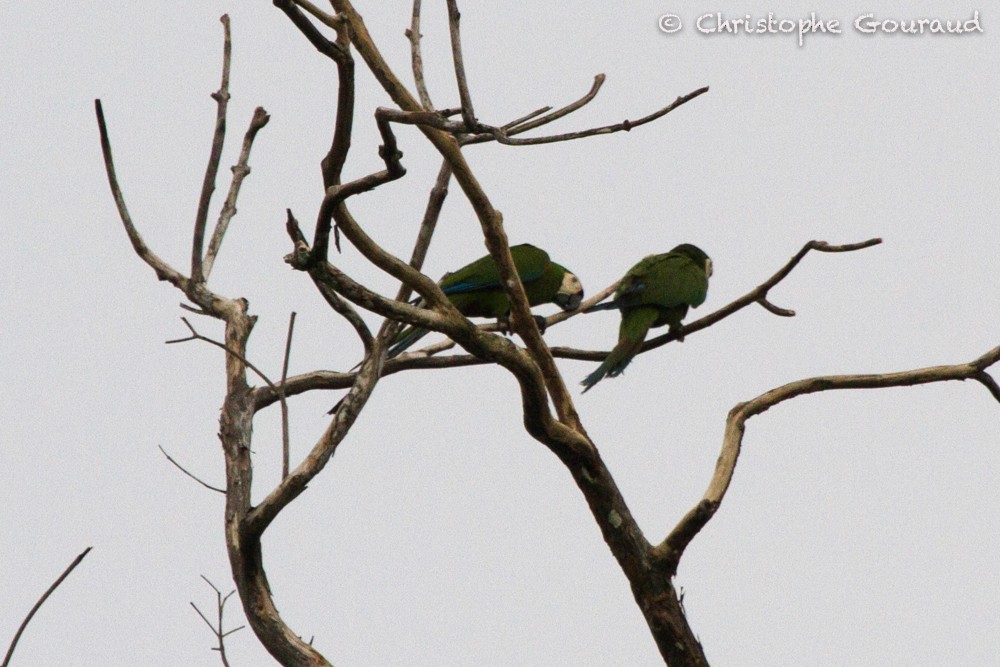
<point x="476" y="291"/>
<point x="656" y="291"/>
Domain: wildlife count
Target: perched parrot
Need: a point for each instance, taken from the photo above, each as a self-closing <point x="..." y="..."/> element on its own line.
<point x="656" y="291"/>
<point x="476" y="291"/>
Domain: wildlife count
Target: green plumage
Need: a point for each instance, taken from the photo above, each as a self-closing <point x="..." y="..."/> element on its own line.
<point x="476" y="289"/>
<point x="655" y="292"/>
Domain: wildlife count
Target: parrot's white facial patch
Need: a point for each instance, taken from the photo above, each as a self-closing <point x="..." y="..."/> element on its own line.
<point x="708" y="268"/>
<point x="570" y="292"/>
<point x="570" y="284"/>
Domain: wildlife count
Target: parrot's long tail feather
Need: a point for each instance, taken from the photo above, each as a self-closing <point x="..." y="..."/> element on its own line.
<point x="405" y="339"/>
<point x="631" y="334"/>
<point x="607" y="305"/>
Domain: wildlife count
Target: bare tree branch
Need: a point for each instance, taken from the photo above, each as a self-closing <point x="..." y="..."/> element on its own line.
<point x="416" y="60"/>
<point x="240" y="171"/>
<point x="438" y="121"/>
<point x="197" y="336"/>
<point x="163" y="270"/>
<point x="523" y="126"/>
<point x="285" y="438"/>
<point x="235" y="433"/>
<point x="330" y="21"/>
<point x="671" y="549"/>
<point x="189" y="474"/>
<point x="221" y="98"/>
<point x="987" y="381"/>
<point x="37" y="605"/>
<point x="625" y="125"/>
<point x="332" y="164"/>
<point x="325" y="273"/>
<point x="296" y="481"/>
<point x="333" y="203"/>
<point x="468" y="114"/>
<point x="220" y="634"/>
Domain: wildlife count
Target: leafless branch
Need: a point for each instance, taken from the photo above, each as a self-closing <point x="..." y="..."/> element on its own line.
<point x="220" y="634"/>
<point x="333" y="207"/>
<point x="285" y="444"/>
<point x="221" y="98"/>
<point x="468" y="114"/>
<point x="435" y="201"/>
<point x="240" y="171"/>
<point x="37" y="605"/>
<point x="432" y="212"/>
<point x="771" y="308"/>
<point x="328" y="20"/>
<point x="671" y="549"/>
<point x="625" y="125"/>
<point x="438" y="121"/>
<point x="235" y="434"/>
<point x="163" y="270"/>
<point x="416" y="60"/>
<point x="525" y="123"/>
<point x="339" y="52"/>
<point x="325" y="273"/>
<point x="189" y="474"/>
<point x="295" y="482"/>
<point x="517" y="127"/>
<point x="987" y="381"/>
<point x="197" y="336"/>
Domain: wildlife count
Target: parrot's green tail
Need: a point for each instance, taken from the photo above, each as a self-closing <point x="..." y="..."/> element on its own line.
<point x="631" y="334"/>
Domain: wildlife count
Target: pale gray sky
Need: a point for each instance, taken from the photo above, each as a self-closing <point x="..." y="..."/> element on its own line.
<point x="860" y="528"/>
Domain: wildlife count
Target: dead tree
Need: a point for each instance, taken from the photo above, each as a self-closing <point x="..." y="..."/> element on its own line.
<point x="650" y="566"/>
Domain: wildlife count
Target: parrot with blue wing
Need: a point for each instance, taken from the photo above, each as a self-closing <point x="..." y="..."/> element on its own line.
<point x="476" y="290"/>
<point x="655" y="292"/>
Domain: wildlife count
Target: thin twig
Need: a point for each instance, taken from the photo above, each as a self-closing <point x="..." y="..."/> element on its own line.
<point x="468" y="114"/>
<point x="41" y="600"/>
<point x="522" y="125"/>
<point x="197" y="336"/>
<point x="220" y="634"/>
<point x="416" y="60"/>
<point x="771" y="308"/>
<point x="987" y="381"/>
<point x="435" y="201"/>
<point x="626" y="125"/>
<point x="191" y="475"/>
<point x="163" y="270"/>
<point x="438" y="121"/>
<point x="221" y="98"/>
<point x="240" y="171"/>
<point x="285" y="440"/>
<point x="335" y="301"/>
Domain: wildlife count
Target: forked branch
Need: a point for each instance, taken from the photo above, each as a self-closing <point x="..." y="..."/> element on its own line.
<point x="670" y="550"/>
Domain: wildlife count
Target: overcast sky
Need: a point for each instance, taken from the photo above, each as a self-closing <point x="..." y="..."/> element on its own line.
<point x="860" y="528"/>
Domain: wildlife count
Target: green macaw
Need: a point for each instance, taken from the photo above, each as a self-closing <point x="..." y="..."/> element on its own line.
<point x="656" y="291"/>
<point x="476" y="290"/>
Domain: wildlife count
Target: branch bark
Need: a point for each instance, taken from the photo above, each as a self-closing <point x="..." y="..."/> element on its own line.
<point x="38" y="605"/>
<point x="670" y="550"/>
